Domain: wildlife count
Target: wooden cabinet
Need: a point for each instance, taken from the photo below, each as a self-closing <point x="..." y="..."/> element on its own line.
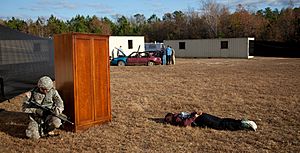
<point x="82" y="77"/>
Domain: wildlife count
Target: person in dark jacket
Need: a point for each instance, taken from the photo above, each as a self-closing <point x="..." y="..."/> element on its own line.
<point x="196" y="119"/>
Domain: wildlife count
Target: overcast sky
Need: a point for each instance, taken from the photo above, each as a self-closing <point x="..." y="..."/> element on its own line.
<point x="66" y="9"/>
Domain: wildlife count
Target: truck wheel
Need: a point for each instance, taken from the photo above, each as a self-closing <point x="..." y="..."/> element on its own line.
<point x="121" y="63"/>
<point x="150" y="63"/>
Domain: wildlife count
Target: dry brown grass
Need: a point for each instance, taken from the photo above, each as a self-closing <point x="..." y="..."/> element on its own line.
<point x="266" y="90"/>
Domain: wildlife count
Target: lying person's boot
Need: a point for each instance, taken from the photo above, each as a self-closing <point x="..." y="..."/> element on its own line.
<point x="52" y="134"/>
<point x="249" y="125"/>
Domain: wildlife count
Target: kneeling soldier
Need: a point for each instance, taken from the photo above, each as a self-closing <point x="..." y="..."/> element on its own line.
<point x="43" y="122"/>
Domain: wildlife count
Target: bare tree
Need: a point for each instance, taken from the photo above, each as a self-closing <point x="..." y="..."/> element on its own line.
<point x="291" y="4"/>
<point x="287" y="24"/>
<point x="211" y="12"/>
<point x="195" y="25"/>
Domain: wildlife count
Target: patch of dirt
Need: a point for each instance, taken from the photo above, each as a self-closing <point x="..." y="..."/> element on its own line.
<point x="266" y="90"/>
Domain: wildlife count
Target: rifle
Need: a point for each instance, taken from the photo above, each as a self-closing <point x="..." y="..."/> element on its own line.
<point x="33" y="104"/>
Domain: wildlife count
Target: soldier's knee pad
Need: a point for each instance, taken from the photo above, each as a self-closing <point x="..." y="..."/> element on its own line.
<point x="32" y="134"/>
<point x="32" y="131"/>
<point x="56" y="122"/>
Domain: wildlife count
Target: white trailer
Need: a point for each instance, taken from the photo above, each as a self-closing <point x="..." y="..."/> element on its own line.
<point x="129" y="44"/>
<point x="206" y="48"/>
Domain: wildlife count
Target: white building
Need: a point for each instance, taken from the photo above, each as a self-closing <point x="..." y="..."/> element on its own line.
<point x="129" y="44"/>
<point x="225" y="47"/>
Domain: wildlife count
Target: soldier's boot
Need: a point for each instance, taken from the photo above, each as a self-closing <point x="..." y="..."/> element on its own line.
<point x="32" y="130"/>
<point x="49" y="130"/>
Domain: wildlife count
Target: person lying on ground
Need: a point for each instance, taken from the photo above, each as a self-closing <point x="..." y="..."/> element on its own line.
<point x="198" y="119"/>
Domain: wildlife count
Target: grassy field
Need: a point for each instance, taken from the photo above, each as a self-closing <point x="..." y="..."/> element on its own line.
<point x="266" y="90"/>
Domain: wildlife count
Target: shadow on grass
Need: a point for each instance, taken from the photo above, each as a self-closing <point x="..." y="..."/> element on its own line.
<point x="13" y="123"/>
<point x="157" y="120"/>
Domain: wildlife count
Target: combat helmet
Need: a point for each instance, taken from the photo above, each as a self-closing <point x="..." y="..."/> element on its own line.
<point x="45" y="82"/>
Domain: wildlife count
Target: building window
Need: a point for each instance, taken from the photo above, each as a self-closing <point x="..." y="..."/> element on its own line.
<point x="36" y="47"/>
<point x="130" y="45"/>
<point x="181" y="45"/>
<point x="224" y="44"/>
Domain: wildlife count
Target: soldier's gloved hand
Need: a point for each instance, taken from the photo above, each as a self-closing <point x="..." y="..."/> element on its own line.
<point x="39" y="112"/>
<point x="28" y="94"/>
<point x="56" y="111"/>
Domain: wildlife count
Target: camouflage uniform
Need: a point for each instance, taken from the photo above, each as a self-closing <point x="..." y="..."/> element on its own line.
<point x="40" y="123"/>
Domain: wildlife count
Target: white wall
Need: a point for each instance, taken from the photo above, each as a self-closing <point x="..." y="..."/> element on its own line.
<point x="117" y="41"/>
<point x="237" y="47"/>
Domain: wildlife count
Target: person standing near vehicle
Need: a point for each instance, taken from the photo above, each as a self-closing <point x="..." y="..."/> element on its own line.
<point x="164" y="56"/>
<point x="41" y="123"/>
<point x="169" y="54"/>
<point x="119" y="51"/>
<point x="173" y="56"/>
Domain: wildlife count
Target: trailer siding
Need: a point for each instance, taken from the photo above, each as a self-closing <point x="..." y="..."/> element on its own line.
<point x="237" y="47"/>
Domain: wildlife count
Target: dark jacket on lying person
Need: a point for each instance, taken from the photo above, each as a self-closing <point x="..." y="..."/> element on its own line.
<point x="195" y="119"/>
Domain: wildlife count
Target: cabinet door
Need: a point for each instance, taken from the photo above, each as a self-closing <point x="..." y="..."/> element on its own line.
<point x="101" y="82"/>
<point x="83" y="80"/>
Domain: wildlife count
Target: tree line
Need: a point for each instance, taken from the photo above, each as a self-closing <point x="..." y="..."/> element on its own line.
<point x="212" y="21"/>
